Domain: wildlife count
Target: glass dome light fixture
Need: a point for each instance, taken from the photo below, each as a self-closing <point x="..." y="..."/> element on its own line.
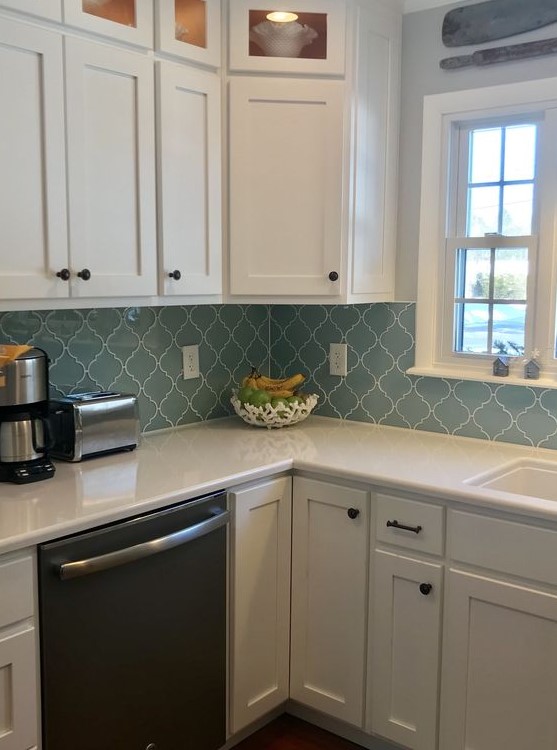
<point x="282" y="16"/>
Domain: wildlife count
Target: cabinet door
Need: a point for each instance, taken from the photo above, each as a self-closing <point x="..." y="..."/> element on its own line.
<point x="51" y="9"/>
<point x="260" y="600"/>
<point x="190" y="29"/>
<point x="33" y="234"/>
<point x="375" y="153"/>
<point x="190" y="197"/>
<point x="286" y="156"/>
<point x="329" y="598"/>
<point x="111" y="170"/>
<point x="18" y="691"/>
<point x="405" y="650"/>
<point x="499" y="683"/>
<point x="127" y="20"/>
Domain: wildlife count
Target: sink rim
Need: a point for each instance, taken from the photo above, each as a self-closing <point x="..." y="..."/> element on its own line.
<point x="484" y="479"/>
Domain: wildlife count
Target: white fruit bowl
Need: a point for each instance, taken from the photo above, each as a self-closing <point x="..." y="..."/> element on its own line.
<point x="269" y="416"/>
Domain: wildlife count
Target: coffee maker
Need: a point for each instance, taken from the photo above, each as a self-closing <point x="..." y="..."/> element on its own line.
<point x="24" y="431"/>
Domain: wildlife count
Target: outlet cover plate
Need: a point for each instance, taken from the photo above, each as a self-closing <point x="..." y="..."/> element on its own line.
<point x="338" y="359"/>
<point x="190" y="361"/>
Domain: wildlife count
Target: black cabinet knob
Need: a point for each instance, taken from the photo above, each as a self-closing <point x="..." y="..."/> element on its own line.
<point x="176" y="275"/>
<point x="85" y="274"/>
<point x="333" y="276"/>
<point x="64" y="274"/>
<point x="353" y="513"/>
<point x="425" y="588"/>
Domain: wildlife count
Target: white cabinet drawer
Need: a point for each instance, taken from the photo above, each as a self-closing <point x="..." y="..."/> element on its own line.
<point x="513" y="548"/>
<point x="424" y="522"/>
<point x="16" y="589"/>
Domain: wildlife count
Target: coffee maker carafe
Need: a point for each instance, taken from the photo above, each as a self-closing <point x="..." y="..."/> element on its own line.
<point x="24" y="432"/>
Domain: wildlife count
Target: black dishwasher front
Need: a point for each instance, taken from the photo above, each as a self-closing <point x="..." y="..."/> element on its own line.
<point x="133" y="633"/>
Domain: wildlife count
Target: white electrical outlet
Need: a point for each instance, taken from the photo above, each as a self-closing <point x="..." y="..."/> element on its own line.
<point x="190" y="360"/>
<point x="338" y="359"/>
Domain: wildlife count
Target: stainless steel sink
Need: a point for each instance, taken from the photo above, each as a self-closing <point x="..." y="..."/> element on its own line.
<point x="526" y="476"/>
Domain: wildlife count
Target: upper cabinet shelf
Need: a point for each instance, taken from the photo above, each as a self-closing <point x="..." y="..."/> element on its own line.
<point x="285" y="37"/>
<point x="190" y="29"/>
<point x="127" y="20"/>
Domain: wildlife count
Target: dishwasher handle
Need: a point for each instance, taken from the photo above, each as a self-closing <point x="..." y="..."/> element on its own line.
<point x="79" y="568"/>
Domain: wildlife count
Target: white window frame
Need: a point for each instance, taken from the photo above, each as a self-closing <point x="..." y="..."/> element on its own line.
<point x="436" y="266"/>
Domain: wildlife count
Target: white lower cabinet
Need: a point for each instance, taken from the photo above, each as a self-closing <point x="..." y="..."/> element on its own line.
<point x="406" y="613"/>
<point x="500" y="666"/>
<point x="260" y="617"/>
<point x="330" y="543"/>
<point x="18" y="654"/>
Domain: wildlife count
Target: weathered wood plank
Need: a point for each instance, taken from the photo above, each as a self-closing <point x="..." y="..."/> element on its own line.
<point x="496" y="19"/>
<point x="506" y="53"/>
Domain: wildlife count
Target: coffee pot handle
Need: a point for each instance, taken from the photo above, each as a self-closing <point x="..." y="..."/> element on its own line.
<point x="47" y="435"/>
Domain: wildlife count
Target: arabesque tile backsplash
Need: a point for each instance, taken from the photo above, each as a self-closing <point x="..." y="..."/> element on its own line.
<point x="138" y="350"/>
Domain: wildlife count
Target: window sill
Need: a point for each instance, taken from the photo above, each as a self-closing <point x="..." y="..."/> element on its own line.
<point x="459" y="374"/>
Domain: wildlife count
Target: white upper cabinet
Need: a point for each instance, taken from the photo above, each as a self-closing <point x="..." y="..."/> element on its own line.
<point x="307" y="37"/>
<point x="313" y="163"/>
<point x="111" y="170"/>
<point x="126" y="20"/>
<point x="33" y="234"/>
<point x="190" y="224"/>
<point x="190" y="29"/>
<point x="286" y="185"/>
<point x="51" y="9"/>
<point x="374" y="168"/>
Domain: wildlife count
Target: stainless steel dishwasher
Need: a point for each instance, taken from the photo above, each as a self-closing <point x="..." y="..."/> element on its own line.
<point x="133" y="632"/>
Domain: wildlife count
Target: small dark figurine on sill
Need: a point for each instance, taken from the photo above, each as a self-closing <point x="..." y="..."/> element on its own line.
<point x="501" y="367"/>
<point x="532" y="367"/>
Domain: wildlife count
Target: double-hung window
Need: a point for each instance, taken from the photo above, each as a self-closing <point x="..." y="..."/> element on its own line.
<point x="487" y="283"/>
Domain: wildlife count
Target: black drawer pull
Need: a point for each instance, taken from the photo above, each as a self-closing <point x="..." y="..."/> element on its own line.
<point x="425" y="588"/>
<point x="396" y="525"/>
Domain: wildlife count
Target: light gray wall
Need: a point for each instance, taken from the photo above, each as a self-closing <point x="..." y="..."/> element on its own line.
<point x="422" y="49"/>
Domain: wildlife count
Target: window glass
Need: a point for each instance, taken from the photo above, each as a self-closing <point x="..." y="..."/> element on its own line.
<point x="518" y="204"/>
<point x="485" y="155"/>
<point x="520" y="152"/>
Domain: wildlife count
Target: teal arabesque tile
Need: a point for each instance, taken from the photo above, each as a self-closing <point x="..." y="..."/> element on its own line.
<point x="137" y="349"/>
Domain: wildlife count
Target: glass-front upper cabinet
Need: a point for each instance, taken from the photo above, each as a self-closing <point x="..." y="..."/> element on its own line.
<point x="190" y="29"/>
<point x="285" y="37"/>
<point x="127" y="20"/>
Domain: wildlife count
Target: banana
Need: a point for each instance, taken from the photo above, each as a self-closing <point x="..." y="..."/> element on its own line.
<point x="277" y="387"/>
<point x="280" y="384"/>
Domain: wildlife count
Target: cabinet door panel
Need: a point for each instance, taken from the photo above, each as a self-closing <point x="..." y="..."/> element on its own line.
<point x="33" y="233"/>
<point x="285" y="186"/>
<point x="111" y="170"/>
<point x="190" y="29"/>
<point x="18" y="691"/>
<point x="190" y="180"/>
<point x="261" y="600"/>
<point x="499" y="666"/>
<point x="405" y="650"/>
<point x="329" y="598"/>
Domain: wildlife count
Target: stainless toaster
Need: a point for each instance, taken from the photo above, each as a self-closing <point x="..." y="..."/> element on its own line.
<point x="92" y="424"/>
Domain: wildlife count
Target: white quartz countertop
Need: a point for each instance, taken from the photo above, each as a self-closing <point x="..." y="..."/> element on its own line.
<point x="179" y="464"/>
